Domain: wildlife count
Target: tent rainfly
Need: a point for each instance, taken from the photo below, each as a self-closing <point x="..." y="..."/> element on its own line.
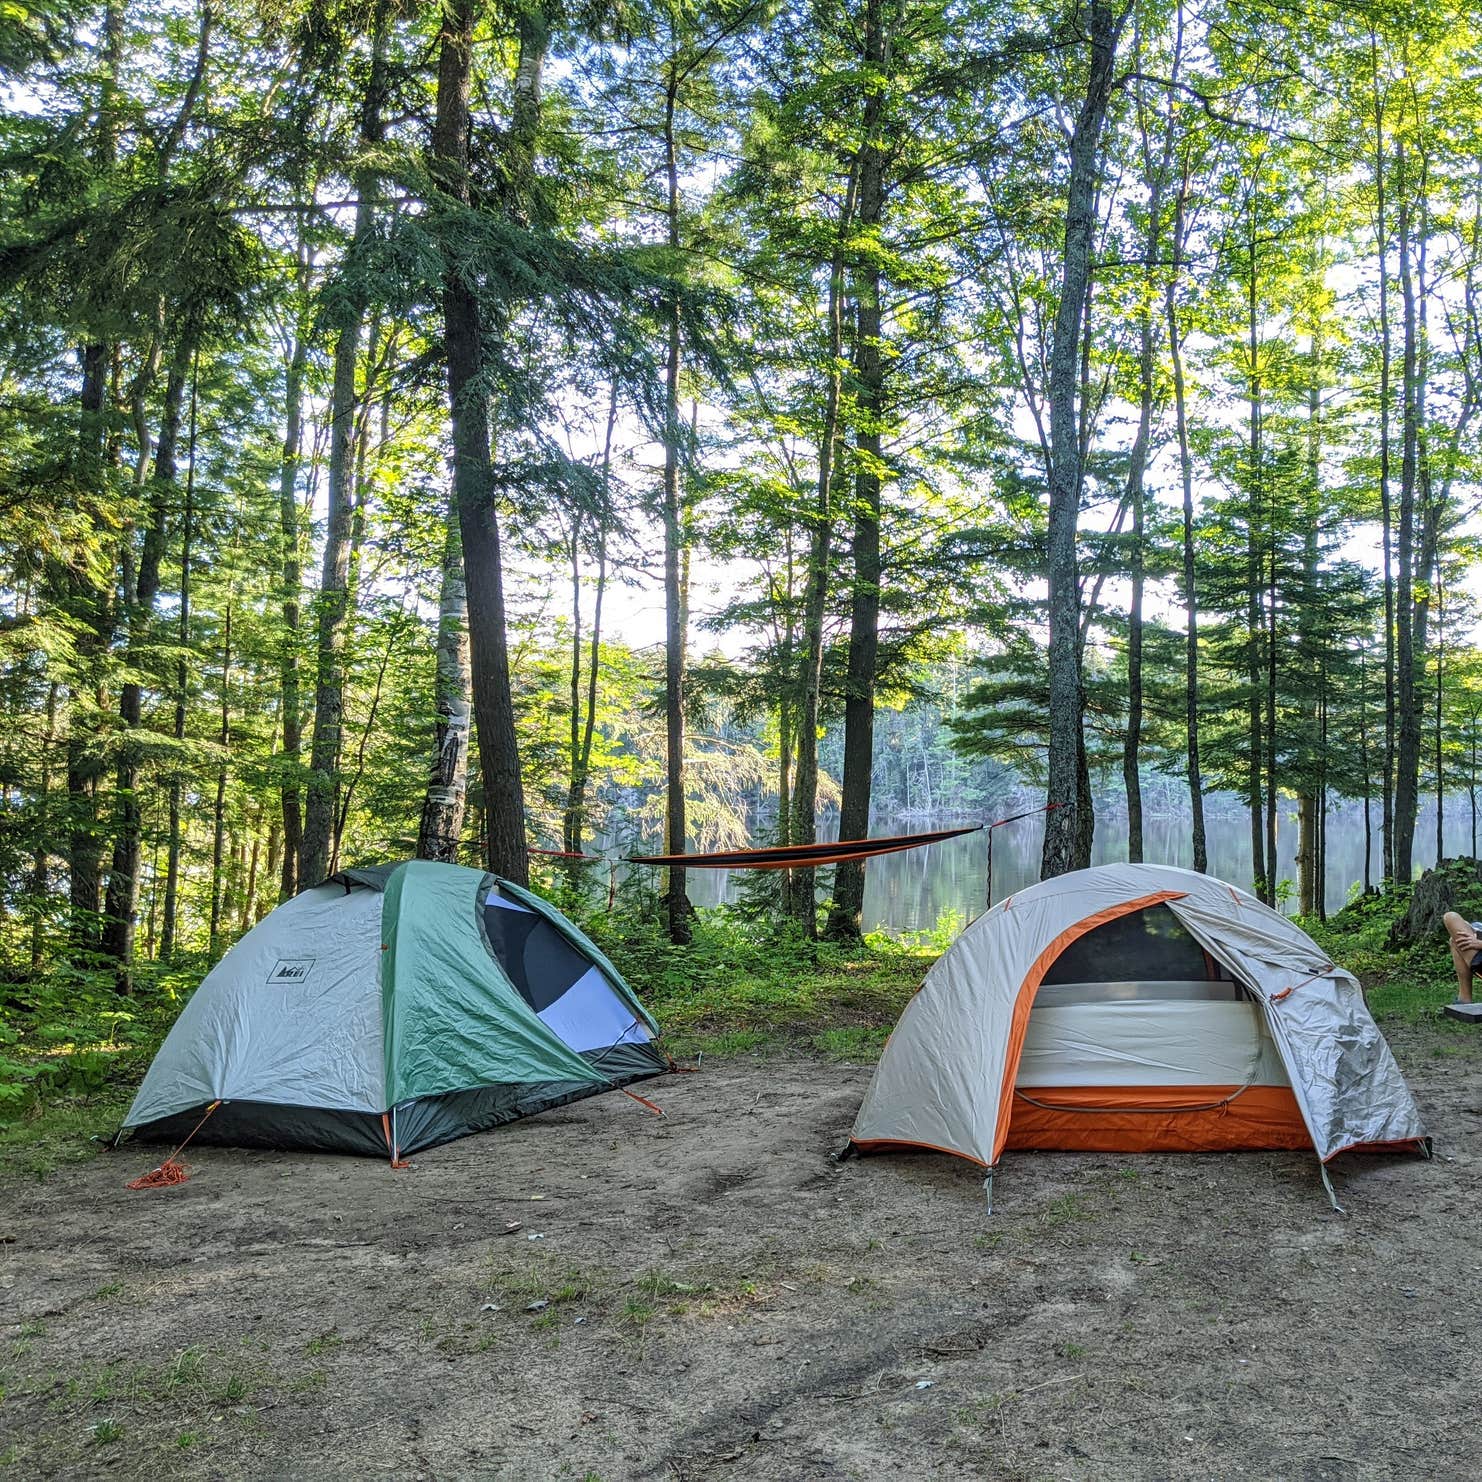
<point x="391" y="1009"/>
<point x="1136" y="1008"/>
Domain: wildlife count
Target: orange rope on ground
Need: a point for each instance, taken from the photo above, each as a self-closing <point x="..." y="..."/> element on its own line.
<point x="171" y="1171"/>
<point x="658" y="1111"/>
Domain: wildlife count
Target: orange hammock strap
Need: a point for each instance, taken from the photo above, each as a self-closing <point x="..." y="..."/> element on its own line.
<point x="796" y="856"/>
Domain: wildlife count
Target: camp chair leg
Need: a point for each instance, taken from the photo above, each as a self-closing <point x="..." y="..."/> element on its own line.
<point x="1327" y="1184"/>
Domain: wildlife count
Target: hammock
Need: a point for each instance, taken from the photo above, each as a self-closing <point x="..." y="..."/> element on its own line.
<point x="795" y="856"/>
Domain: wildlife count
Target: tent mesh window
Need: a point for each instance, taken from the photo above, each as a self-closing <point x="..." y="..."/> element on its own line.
<point x="1137" y="951"/>
<point x="536" y="958"/>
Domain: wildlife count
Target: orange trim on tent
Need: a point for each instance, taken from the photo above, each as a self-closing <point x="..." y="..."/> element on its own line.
<point x="1416" y="1144"/>
<point x="1158" y="1119"/>
<point x="1030" y="986"/>
<point x="880" y="1144"/>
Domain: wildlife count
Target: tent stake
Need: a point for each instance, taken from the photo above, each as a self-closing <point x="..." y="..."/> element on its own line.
<point x="1327" y="1183"/>
<point x="988" y="1190"/>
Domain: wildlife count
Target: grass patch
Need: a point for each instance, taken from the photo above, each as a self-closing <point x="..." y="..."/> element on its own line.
<point x="853" y="1042"/>
<point x="556" y="1287"/>
<point x="70" y="1058"/>
<point x="742" y="987"/>
<point x="1411" y="984"/>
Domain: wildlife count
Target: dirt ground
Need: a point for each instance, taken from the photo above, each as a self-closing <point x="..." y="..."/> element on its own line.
<point x="709" y="1296"/>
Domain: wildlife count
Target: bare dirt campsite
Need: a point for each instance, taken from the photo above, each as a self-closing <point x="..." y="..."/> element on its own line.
<point x="601" y="1293"/>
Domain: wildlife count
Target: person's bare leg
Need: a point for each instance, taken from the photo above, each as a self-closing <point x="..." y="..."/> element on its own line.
<point x="1458" y="930"/>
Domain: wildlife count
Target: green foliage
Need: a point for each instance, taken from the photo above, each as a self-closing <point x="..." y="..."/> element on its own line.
<point x="736" y="989"/>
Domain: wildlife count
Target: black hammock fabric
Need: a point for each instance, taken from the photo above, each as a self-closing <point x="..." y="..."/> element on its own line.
<point x="792" y="856"/>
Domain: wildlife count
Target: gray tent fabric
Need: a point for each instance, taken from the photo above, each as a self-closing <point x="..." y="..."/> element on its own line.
<point x="947" y="1077"/>
<point x="375" y="1013"/>
<point x="291" y="1015"/>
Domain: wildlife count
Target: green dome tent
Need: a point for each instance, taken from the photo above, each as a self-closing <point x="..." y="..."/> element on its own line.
<point x="391" y="1009"/>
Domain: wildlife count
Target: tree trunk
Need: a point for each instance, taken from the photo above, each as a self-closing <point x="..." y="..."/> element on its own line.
<point x="1155" y="174"/>
<point x="1385" y="505"/>
<point x="815" y="597"/>
<point x="84" y="743"/>
<point x="182" y="688"/>
<point x="845" y="921"/>
<point x="218" y="812"/>
<point x="583" y="730"/>
<point x="123" y="878"/>
<point x="333" y="601"/>
<point x="1066" y="745"/>
<point x="1253" y="574"/>
<point x="40" y="873"/>
<point x="447" y="782"/>
<point x="290" y="699"/>
<point x="1186" y="474"/>
<point x="1407" y="749"/>
<point x="676" y="901"/>
<point x="90" y="602"/>
<point x="473" y="491"/>
<point x="1312" y="638"/>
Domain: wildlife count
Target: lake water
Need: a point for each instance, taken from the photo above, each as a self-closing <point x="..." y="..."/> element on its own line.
<point x="917" y="889"/>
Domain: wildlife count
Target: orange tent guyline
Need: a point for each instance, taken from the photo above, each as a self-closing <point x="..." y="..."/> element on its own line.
<point x="171" y="1171"/>
<point x="658" y="1111"/>
<point x="397" y="1161"/>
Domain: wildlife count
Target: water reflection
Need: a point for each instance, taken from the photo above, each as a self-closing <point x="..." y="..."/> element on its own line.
<point x="915" y="890"/>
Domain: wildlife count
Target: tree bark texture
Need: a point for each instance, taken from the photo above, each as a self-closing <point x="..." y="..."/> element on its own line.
<point x="332" y="606"/>
<point x="1060" y="842"/>
<point x="493" y="703"/>
<point x="447" y="781"/>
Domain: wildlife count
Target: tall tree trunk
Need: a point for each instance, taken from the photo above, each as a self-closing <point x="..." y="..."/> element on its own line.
<point x="1137" y="497"/>
<point x="676" y="901"/>
<point x="1386" y="512"/>
<point x="473" y="491"/>
<point x="1438" y="716"/>
<point x="1254" y="570"/>
<point x="123" y="878"/>
<point x="1311" y="639"/>
<point x="584" y="728"/>
<point x="1186" y="475"/>
<point x="1156" y="173"/>
<point x="846" y="917"/>
<point x="1066" y="743"/>
<point x="291" y="534"/>
<point x="1407" y="749"/>
<point x="40" y="872"/>
<point x="90" y="601"/>
<point x="218" y="811"/>
<point x="170" y="913"/>
<point x="333" y="602"/>
<point x="1364" y="768"/>
<point x="447" y="782"/>
<point x="815" y="596"/>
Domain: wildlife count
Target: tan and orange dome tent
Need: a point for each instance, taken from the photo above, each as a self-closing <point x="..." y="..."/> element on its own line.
<point x="1136" y="1008"/>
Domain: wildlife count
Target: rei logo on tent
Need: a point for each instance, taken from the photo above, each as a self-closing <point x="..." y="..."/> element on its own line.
<point x="291" y="970"/>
